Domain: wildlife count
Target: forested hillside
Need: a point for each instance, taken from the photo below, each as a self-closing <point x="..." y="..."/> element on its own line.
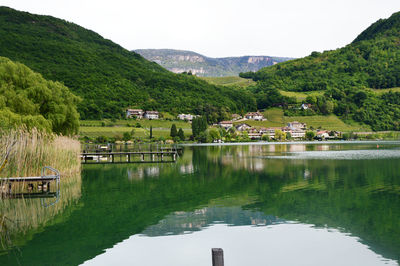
<point x="371" y="61"/>
<point x="108" y="77"/>
<point x="26" y="98"/>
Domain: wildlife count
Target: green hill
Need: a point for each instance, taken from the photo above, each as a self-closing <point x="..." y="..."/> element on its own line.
<point x="108" y="77"/>
<point x="342" y="76"/>
<point x="234" y="81"/>
<point x="371" y="61"/>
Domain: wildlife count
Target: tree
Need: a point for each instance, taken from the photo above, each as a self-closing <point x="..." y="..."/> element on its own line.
<point x="310" y="135"/>
<point x="199" y="125"/>
<point x="181" y="134"/>
<point x="214" y="134"/>
<point x="27" y="98"/>
<point x="174" y="132"/>
<point x="280" y="135"/>
<point x="151" y="132"/>
<point x="126" y="136"/>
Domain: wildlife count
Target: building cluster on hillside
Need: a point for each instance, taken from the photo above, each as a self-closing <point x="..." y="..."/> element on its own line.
<point x="296" y="130"/>
<point x="187" y="117"/>
<point x="139" y="114"/>
<point x="257" y="116"/>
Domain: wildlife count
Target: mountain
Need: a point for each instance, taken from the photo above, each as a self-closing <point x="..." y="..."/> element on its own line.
<point x="108" y="77"/>
<point x="179" y="61"/>
<point x="372" y="60"/>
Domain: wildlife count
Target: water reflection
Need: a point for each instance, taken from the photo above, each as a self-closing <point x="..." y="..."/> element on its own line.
<point x="187" y="222"/>
<point x="215" y="195"/>
<point x="278" y="244"/>
<point x="23" y="216"/>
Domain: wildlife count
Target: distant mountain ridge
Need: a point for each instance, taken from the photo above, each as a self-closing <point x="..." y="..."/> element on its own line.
<point x="179" y="61"/>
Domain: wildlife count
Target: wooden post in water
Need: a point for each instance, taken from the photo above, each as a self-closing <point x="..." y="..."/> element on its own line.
<point x="217" y="257"/>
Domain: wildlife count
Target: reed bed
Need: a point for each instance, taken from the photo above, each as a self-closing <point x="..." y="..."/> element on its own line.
<point x="32" y="151"/>
<point x="35" y="149"/>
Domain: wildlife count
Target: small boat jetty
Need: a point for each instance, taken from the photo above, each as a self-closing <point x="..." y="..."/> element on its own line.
<point x="32" y="186"/>
<point x="129" y="153"/>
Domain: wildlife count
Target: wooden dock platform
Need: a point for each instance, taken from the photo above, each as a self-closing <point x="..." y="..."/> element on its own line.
<point x="163" y="156"/>
<point x="32" y="186"/>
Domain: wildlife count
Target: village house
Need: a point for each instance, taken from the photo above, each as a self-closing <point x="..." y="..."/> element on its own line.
<point x="151" y="115"/>
<point x="270" y="132"/>
<point x="253" y="130"/>
<point x="306" y="106"/>
<point x="298" y="133"/>
<point x="254" y="135"/>
<point x="323" y="134"/>
<point x="255" y="116"/>
<point x="263" y="130"/>
<point x="187" y="117"/>
<point x="226" y="124"/>
<point x="242" y="127"/>
<point x="134" y="113"/>
<point x="236" y="117"/>
<point x="296" y="125"/>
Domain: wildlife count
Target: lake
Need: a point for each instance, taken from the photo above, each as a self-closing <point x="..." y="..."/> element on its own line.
<point x="315" y="203"/>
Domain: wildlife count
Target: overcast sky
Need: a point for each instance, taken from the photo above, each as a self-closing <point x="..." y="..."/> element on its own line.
<point x="220" y="28"/>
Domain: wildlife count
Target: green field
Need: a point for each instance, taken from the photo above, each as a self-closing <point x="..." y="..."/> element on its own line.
<point x="143" y="122"/>
<point x="161" y="128"/>
<point x="301" y="96"/>
<point x="330" y="122"/>
<point x="275" y="118"/>
<point x="229" y="81"/>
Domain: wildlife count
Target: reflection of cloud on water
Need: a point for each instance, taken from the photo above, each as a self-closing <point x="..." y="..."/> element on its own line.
<point x="188" y="222"/>
<point x="186" y="168"/>
<point x="142" y="172"/>
<point x="339" y="155"/>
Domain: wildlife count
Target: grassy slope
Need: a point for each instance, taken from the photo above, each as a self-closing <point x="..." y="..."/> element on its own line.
<point x="300" y="96"/>
<point x="275" y="118"/>
<point x="161" y="128"/>
<point x="229" y="81"/>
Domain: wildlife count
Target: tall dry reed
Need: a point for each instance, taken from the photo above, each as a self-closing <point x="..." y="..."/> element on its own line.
<point x="33" y="150"/>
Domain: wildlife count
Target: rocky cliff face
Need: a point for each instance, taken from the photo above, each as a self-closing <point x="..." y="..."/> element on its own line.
<point x="184" y="61"/>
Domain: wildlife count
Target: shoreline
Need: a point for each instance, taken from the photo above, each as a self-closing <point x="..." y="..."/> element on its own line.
<point x="293" y="143"/>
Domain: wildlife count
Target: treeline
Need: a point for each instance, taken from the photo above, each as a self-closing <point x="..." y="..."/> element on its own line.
<point x="26" y="98"/>
<point x="108" y="77"/>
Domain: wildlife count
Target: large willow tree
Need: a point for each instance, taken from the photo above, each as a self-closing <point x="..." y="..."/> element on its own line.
<point x="26" y="98"/>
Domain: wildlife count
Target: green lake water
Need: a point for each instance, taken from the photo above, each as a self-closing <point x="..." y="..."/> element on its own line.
<point x="275" y="204"/>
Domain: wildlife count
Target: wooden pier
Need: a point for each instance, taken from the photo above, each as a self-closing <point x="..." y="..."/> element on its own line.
<point x="31" y="186"/>
<point x="163" y="156"/>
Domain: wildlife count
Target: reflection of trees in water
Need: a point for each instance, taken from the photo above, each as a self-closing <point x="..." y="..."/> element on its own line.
<point x="20" y="217"/>
<point x="361" y="197"/>
<point x="187" y="222"/>
<point x="358" y="196"/>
